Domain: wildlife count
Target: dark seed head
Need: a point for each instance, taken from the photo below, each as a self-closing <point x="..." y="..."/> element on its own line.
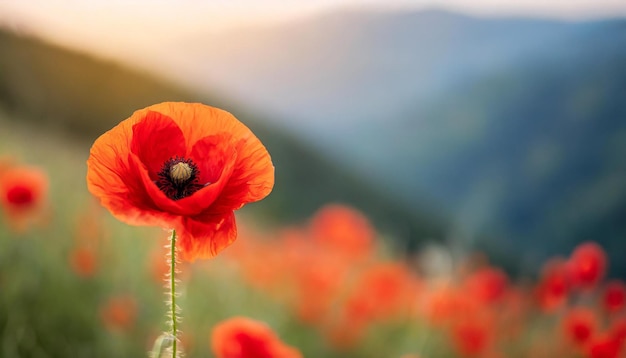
<point x="180" y="173"/>
<point x="178" y="178"/>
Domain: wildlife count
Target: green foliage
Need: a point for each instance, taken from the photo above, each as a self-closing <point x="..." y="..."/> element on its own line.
<point x="47" y="309"/>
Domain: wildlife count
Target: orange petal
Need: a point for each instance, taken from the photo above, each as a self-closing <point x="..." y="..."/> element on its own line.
<point x="116" y="181"/>
<point x="203" y="237"/>
<point x="252" y="178"/>
<point x="157" y="138"/>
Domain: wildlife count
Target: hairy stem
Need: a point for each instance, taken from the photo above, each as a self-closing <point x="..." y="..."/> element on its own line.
<point x="173" y="313"/>
<point x="168" y="341"/>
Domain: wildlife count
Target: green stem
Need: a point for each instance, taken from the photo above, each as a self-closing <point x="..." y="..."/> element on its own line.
<point x="173" y="315"/>
<point x="168" y="340"/>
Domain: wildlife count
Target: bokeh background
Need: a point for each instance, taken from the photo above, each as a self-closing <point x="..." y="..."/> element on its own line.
<point x="473" y="126"/>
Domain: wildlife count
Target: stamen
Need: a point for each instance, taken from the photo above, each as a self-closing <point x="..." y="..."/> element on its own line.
<point x="180" y="173"/>
<point x="178" y="178"/>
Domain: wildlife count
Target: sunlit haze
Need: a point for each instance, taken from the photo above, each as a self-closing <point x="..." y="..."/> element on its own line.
<point x="135" y="28"/>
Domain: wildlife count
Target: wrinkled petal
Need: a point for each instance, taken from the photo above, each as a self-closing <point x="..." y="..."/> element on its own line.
<point x="211" y="154"/>
<point x="252" y="178"/>
<point x="205" y="236"/>
<point x="197" y="120"/>
<point x="119" y="187"/>
<point x="156" y="139"/>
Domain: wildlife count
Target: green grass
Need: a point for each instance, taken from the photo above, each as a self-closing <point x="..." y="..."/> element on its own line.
<point x="47" y="310"/>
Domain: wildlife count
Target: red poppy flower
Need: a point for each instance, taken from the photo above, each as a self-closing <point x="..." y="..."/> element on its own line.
<point x="488" y="285"/>
<point x="579" y="325"/>
<point x="382" y="291"/>
<point x="119" y="313"/>
<point x="83" y="261"/>
<point x="605" y="346"/>
<point x="185" y="166"/>
<point x="344" y="231"/>
<point x="241" y="337"/>
<point x="472" y="338"/>
<point x="618" y="329"/>
<point x="22" y="192"/>
<point x="614" y="297"/>
<point x="318" y="282"/>
<point x="587" y="265"/>
<point x="553" y="289"/>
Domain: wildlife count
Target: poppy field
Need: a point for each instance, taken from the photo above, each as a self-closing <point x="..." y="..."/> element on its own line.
<point x="77" y="282"/>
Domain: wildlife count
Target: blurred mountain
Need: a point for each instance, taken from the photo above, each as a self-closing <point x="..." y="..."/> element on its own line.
<point x="348" y="68"/>
<point x="75" y="92"/>
<point x="534" y="152"/>
<point x="516" y="126"/>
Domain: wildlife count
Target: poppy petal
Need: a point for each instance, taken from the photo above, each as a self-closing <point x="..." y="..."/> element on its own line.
<point x="156" y="139"/>
<point x="111" y="180"/>
<point x="211" y="154"/>
<point x="118" y="185"/>
<point x="203" y="237"/>
<point x="252" y="178"/>
<point x="197" y="120"/>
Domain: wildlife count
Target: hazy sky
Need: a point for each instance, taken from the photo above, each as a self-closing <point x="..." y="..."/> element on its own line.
<point x="137" y="26"/>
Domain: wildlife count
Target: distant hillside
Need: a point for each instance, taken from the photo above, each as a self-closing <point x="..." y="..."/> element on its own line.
<point x="515" y="126"/>
<point x="348" y="68"/>
<point x="64" y="89"/>
<point x="534" y="152"/>
<point x="73" y="90"/>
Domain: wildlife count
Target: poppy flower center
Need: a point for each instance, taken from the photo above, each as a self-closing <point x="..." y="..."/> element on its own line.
<point x="180" y="172"/>
<point x="178" y="178"/>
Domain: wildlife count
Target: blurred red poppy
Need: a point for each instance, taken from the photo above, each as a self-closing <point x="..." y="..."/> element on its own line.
<point x="83" y="261"/>
<point x="83" y="258"/>
<point x="241" y="337"/>
<point x="317" y="283"/>
<point x="119" y="313"/>
<point x="22" y="193"/>
<point x="614" y="296"/>
<point x="488" y="285"/>
<point x="472" y="337"/>
<point x="553" y="288"/>
<point x="443" y="304"/>
<point x="605" y="346"/>
<point x="383" y="291"/>
<point x="344" y="231"/>
<point x="618" y="330"/>
<point x="587" y="265"/>
<point x="185" y="166"/>
<point x="579" y="325"/>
